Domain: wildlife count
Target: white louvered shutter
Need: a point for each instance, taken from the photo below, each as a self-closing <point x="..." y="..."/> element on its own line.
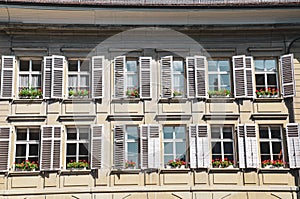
<point x="119" y="76"/>
<point x="191" y="80"/>
<point x="153" y="146"/>
<point x="249" y="72"/>
<point x="193" y="146"/>
<point x="251" y="146"/>
<point x="57" y="89"/>
<point x="144" y="131"/>
<point x="96" y="146"/>
<point x="51" y="147"/>
<point x="97" y="76"/>
<point x="4" y="148"/>
<point x="200" y="67"/>
<point x="293" y="144"/>
<point x="203" y="152"/>
<point x="47" y="77"/>
<point x="166" y="76"/>
<point x="241" y="145"/>
<point x="239" y="65"/>
<point x="8" y="76"/>
<point x="287" y="75"/>
<point x="119" y="146"/>
<point x="145" y="77"/>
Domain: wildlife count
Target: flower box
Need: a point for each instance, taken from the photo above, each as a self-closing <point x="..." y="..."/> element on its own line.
<point x="217" y="163"/>
<point x="267" y="93"/>
<point x="130" y="164"/>
<point x="84" y="93"/>
<point x="132" y="93"/>
<point x="176" y="164"/>
<point x="219" y="93"/>
<point x="270" y="164"/>
<point x="80" y="165"/>
<point x="30" y="93"/>
<point x="26" y="166"/>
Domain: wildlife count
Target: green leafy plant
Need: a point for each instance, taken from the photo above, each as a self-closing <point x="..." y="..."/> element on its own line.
<point x="267" y="92"/>
<point x="177" y="93"/>
<point x="30" y="93"/>
<point x="133" y="92"/>
<point x="273" y="163"/>
<point x="129" y="164"/>
<point x="217" y="163"/>
<point x="223" y="92"/>
<point x="75" y="93"/>
<point x="27" y="165"/>
<point x="176" y="163"/>
<point x="79" y="164"/>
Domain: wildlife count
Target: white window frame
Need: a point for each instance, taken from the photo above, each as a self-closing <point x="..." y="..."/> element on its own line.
<point x="80" y="73"/>
<point x="78" y="141"/>
<point x="266" y="73"/>
<point x="222" y="140"/>
<point x="132" y="73"/>
<point x="27" y="142"/>
<point x="219" y="73"/>
<point x="270" y="140"/>
<point x="30" y="73"/>
<point x="132" y="141"/>
<point x="174" y="141"/>
<point x="184" y="91"/>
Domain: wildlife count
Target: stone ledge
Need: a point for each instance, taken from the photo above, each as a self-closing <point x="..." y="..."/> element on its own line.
<point x="125" y="117"/>
<point x="27" y="118"/>
<point x="221" y="116"/>
<point x="269" y="116"/>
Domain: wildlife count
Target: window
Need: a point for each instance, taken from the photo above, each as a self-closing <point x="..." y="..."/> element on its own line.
<point x="78" y="144"/>
<point x="132" y="144"/>
<point x="178" y="78"/>
<point x="132" y="78"/>
<point x="266" y="74"/>
<point x="219" y="75"/>
<point x="78" y="77"/>
<point x="222" y="142"/>
<point x="30" y="74"/>
<point x="27" y="144"/>
<point x="174" y="141"/>
<point x="271" y="142"/>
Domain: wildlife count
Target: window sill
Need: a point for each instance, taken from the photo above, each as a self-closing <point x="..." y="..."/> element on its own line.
<point x="278" y="99"/>
<point x="224" y="170"/>
<point x="125" y="171"/>
<point x="126" y="100"/>
<point x="27" y="101"/>
<point x="274" y="170"/>
<point x="173" y="100"/>
<point x="220" y="100"/>
<point x="79" y="100"/>
<point x="175" y="170"/>
<point x="24" y="173"/>
<point x="75" y="172"/>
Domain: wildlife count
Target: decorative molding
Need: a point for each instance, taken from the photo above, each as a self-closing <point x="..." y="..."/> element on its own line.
<point x="173" y="100"/>
<point x="28" y="101"/>
<point x="217" y="116"/>
<point x="126" y="100"/>
<point x="269" y="116"/>
<point x="220" y="100"/>
<point x="66" y="118"/>
<point x="173" y="117"/>
<point x="220" y="49"/>
<point x="263" y="100"/>
<point x="172" y="50"/>
<point x="253" y="49"/>
<point x="28" y="49"/>
<point x="26" y="118"/>
<point x="66" y="49"/>
<point x="125" y="50"/>
<point x="125" y="117"/>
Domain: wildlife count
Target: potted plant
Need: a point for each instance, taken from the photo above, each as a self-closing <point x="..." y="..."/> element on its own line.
<point x="132" y="93"/>
<point x="266" y="93"/>
<point x="130" y="164"/>
<point x="177" y="93"/>
<point x="177" y="163"/>
<point x="26" y="166"/>
<point x="219" y="93"/>
<point x="81" y="164"/>
<point x="217" y="163"/>
<point x="273" y="164"/>
<point x="30" y="93"/>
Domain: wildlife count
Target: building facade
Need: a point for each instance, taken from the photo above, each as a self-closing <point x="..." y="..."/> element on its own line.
<point x="149" y="100"/>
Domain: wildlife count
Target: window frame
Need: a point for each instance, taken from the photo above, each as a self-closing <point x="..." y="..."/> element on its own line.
<point x="27" y="142"/>
<point x="137" y="140"/>
<point x="222" y="140"/>
<point x="219" y="73"/>
<point x="127" y="73"/>
<point x="184" y="74"/>
<point x="78" y="142"/>
<point x="30" y="73"/>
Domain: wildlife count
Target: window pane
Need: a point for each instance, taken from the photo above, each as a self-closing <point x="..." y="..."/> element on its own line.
<point x="259" y="65"/>
<point x="71" y="149"/>
<point x="178" y="82"/>
<point x="167" y="158"/>
<point x="180" y="147"/>
<point x="21" y="150"/>
<point x="83" y="149"/>
<point x="228" y="147"/>
<point x="36" y="81"/>
<point x="260" y="80"/>
<point x="216" y="147"/>
<point x="168" y="148"/>
<point x="265" y="157"/>
<point x="34" y="134"/>
<point x="33" y="149"/>
<point x="132" y="148"/>
<point x="36" y="65"/>
<point x="132" y="81"/>
<point x="73" y="65"/>
<point x="84" y="65"/>
<point x="263" y="132"/>
<point x="272" y="80"/>
<point x="24" y="65"/>
<point x="224" y="65"/>
<point x="264" y="148"/>
<point x="212" y="66"/>
<point x="72" y="81"/>
<point x="227" y="132"/>
<point x="131" y="66"/>
<point x="213" y="82"/>
<point x="276" y="146"/>
<point x="24" y="81"/>
<point x="22" y="134"/>
<point x="215" y="132"/>
<point x="180" y="132"/>
<point x="72" y="134"/>
<point x="132" y="132"/>
<point x="270" y="65"/>
<point x="178" y="66"/>
<point x="225" y="79"/>
<point x="216" y="157"/>
<point x="229" y="157"/>
<point x="84" y="81"/>
<point x="168" y="132"/>
<point x="275" y="132"/>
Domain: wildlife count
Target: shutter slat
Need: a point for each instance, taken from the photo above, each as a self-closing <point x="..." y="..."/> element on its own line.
<point x="7" y="76"/>
<point x="57" y="89"/>
<point x="193" y="146"/>
<point x="166" y="76"/>
<point x="241" y="145"/>
<point x="144" y="146"/>
<point x="97" y="79"/>
<point x="239" y="65"/>
<point x="203" y="153"/>
<point x="251" y="146"/>
<point x="4" y="148"/>
<point x="97" y="145"/>
<point x="119" y="146"/>
<point x="119" y="74"/>
<point x="287" y="75"/>
<point x="200" y="67"/>
<point x="145" y="77"/>
<point x="250" y="92"/>
<point x="153" y="146"/>
<point x="293" y="144"/>
<point x="47" y="77"/>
